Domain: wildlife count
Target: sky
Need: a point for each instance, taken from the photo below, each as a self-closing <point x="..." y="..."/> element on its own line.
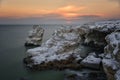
<point x="57" y="11"/>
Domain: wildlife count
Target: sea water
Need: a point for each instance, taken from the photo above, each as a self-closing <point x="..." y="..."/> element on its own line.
<point x="12" y="52"/>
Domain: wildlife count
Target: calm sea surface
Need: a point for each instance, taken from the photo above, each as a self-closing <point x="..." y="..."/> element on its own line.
<point x="12" y="52"/>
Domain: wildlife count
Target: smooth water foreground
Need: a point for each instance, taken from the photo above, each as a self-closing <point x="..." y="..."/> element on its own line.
<point x="12" y="52"/>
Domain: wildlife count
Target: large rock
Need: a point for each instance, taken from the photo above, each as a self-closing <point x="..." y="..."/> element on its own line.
<point x="110" y="67"/>
<point x="35" y="36"/>
<point x="106" y="34"/>
<point x="111" y="61"/>
<point x="113" y="46"/>
<point x="95" y="37"/>
<point x="60" y="51"/>
<point x="91" y="61"/>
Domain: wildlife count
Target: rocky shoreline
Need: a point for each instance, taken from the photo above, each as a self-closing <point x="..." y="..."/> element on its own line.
<point x="93" y="46"/>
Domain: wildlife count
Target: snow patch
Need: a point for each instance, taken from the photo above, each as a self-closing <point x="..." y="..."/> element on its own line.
<point x="111" y="63"/>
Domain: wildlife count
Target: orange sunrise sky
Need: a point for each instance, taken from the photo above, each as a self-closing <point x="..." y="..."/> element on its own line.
<point x="57" y="11"/>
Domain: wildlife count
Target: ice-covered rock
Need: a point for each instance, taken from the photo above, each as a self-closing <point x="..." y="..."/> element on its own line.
<point x="107" y="26"/>
<point x="111" y="64"/>
<point x="113" y="47"/>
<point x="35" y="36"/>
<point x="62" y="49"/>
<point x="111" y="61"/>
<point x="97" y="32"/>
<point x="117" y="75"/>
<point x="104" y="36"/>
<point x="91" y="61"/>
<point x="110" y="67"/>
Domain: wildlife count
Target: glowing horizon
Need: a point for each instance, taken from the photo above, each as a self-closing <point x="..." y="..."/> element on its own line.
<point x="57" y="10"/>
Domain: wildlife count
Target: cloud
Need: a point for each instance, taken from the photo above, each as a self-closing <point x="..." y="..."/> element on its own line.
<point x="65" y="11"/>
<point x="69" y="13"/>
<point x="85" y="17"/>
<point x="118" y="1"/>
<point x="70" y="10"/>
<point x="0" y="2"/>
<point x="91" y="16"/>
<point x="50" y="19"/>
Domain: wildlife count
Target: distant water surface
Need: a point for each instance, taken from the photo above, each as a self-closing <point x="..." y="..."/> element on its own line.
<point x="12" y="52"/>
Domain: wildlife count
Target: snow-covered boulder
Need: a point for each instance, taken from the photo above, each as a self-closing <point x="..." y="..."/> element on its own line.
<point x="111" y="61"/>
<point x="35" y="36"/>
<point x="96" y="33"/>
<point x="110" y="67"/>
<point x="61" y="50"/>
<point x="91" y="61"/>
<point x="113" y="46"/>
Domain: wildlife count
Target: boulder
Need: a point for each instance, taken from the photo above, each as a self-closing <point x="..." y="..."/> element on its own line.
<point x="60" y="51"/>
<point x="110" y="67"/>
<point x="113" y="46"/>
<point x="96" y="33"/>
<point x="35" y="36"/>
<point x="111" y="61"/>
<point x="91" y="61"/>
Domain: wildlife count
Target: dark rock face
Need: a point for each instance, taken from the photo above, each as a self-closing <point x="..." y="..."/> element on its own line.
<point x="30" y="45"/>
<point x="97" y="37"/>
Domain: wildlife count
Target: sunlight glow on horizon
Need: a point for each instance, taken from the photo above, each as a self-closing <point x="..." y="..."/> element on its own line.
<point x="61" y="9"/>
<point x="68" y="11"/>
